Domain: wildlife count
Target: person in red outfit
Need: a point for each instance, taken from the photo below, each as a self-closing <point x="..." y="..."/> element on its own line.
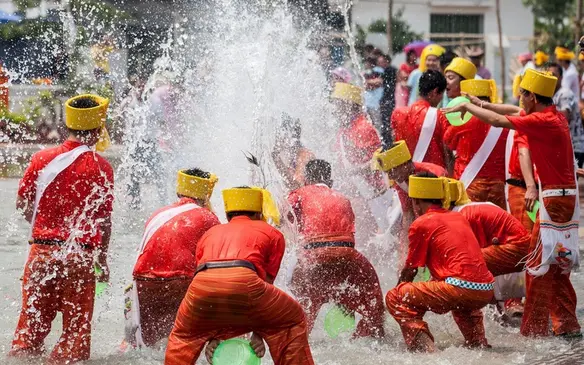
<point x="66" y="194"/>
<point x="329" y="267"/>
<point x="232" y="292"/>
<point x="521" y="183"/>
<point x="554" y="246"/>
<point x="443" y="241"/>
<point x="166" y="263"/>
<point x="420" y="125"/>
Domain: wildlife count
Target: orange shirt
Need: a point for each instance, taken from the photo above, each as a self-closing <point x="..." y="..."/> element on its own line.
<point x="466" y="141"/>
<point x="404" y="198"/>
<point x="489" y="221"/>
<point x="170" y="252"/>
<point x="548" y="135"/>
<point x="407" y="125"/>
<point x="244" y="239"/>
<point x="77" y="199"/>
<point x="322" y="214"/>
<point x="444" y="242"/>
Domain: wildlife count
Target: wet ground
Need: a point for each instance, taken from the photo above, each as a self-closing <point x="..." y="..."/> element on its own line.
<point x="508" y="346"/>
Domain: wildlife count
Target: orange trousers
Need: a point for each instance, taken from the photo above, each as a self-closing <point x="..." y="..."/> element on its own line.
<point x="487" y="190"/>
<point x="344" y="276"/>
<point x="408" y="302"/>
<point x="517" y="206"/>
<point x="159" y="302"/>
<point x="52" y="284"/>
<point x="550" y="295"/>
<point x="506" y="258"/>
<point x="226" y="303"/>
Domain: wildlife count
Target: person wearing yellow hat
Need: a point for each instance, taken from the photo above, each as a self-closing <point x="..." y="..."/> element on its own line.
<point x="356" y="142"/>
<point x="429" y="60"/>
<point x="480" y="149"/>
<point x="554" y="246"/>
<point x="476" y="55"/>
<point x="396" y="161"/>
<point x="570" y="79"/>
<point x="233" y="293"/>
<point x="443" y="241"/>
<point x="540" y="59"/>
<point x="459" y="69"/>
<point x="166" y="261"/>
<point x="66" y="194"/>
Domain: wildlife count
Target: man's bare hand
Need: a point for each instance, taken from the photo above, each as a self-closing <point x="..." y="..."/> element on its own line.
<point x="210" y="350"/>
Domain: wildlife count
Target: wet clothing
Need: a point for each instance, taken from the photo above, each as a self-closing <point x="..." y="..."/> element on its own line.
<point x="407" y="125"/>
<point x="486" y="190"/>
<point x="517" y="206"/>
<point x="444" y="242"/>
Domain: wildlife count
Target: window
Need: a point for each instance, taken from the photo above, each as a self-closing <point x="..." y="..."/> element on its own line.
<point x="446" y="23"/>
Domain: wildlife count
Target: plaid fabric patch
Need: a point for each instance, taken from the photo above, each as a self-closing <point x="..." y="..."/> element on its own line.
<point x="468" y="284"/>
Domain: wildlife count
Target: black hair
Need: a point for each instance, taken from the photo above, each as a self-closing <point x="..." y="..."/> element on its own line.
<point x="428" y="174"/>
<point x="556" y="65"/>
<point x="318" y="171"/>
<point x="376" y="52"/>
<point x="386" y="57"/>
<point x="196" y="172"/>
<point x="368" y="47"/>
<point x="430" y="80"/>
<point x="544" y="100"/>
<point x="372" y="60"/>
<point x="484" y="98"/>
<point x="84" y="103"/>
<point x="230" y="215"/>
<point x="446" y="58"/>
<point x="410" y="52"/>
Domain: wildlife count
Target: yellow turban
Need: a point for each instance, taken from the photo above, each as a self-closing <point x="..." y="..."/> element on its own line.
<point x="462" y="67"/>
<point x="480" y="88"/>
<point x="195" y="187"/>
<point x="564" y="54"/>
<point x="348" y="92"/>
<point x="457" y="192"/>
<point x="252" y="199"/>
<point x="430" y="50"/>
<point x="541" y="58"/>
<point x="85" y="119"/>
<point x="397" y="155"/>
<point x="430" y="188"/>
<point x="540" y="83"/>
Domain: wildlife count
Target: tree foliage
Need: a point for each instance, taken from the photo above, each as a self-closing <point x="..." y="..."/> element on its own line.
<point x="554" y="23"/>
<point x="401" y="31"/>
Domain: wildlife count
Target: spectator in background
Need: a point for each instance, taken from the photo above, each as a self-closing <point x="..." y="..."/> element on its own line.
<point x="430" y="60"/>
<point x="445" y="61"/>
<point x="526" y="61"/>
<point x="567" y="104"/>
<point x="389" y="77"/>
<point x="374" y="89"/>
<point x="410" y="64"/>
<point x="367" y="49"/>
<point x="476" y="55"/>
<point x="570" y="80"/>
<point x="540" y="59"/>
<point x="340" y="74"/>
<point x="402" y="92"/>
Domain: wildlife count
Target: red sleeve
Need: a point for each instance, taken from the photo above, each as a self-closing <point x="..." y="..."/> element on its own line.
<point x="520" y="140"/>
<point x="27" y="185"/>
<point x="397" y="117"/>
<point x="418" y="247"/>
<point x="210" y="220"/>
<point x="525" y="124"/>
<point x="106" y="180"/>
<point x="277" y="253"/>
<point x="294" y="201"/>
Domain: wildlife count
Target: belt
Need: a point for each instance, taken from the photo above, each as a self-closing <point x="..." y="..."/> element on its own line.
<point x="468" y="284"/>
<point x="57" y="243"/>
<point x="558" y="192"/>
<point x="518" y="183"/>
<point x="313" y="245"/>
<point x="225" y="265"/>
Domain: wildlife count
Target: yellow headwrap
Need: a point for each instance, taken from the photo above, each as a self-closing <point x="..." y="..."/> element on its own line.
<point x="462" y="67"/>
<point x="541" y="58"/>
<point x="348" y="92"/>
<point x="480" y="88"/>
<point x="581" y="56"/>
<point x="85" y="119"/>
<point x="457" y="192"/>
<point x="430" y="50"/>
<point x="564" y="54"/>
<point x="397" y="155"/>
<point x="252" y="199"/>
<point x="540" y="83"/>
<point x="195" y="187"/>
<point x="430" y="188"/>
<point x="516" y="83"/>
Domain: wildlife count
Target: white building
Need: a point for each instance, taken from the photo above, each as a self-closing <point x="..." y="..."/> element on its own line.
<point x="440" y="17"/>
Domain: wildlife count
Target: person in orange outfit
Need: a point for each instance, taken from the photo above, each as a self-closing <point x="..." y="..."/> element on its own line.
<point x="66" y="194"/>
<point x="480" y="150"/>
<point x="419" y="125"/>
<point x="232" y="292"/>
<point x="443" y="241"/>
<point x="521" y="186"/>
<point x="166" y="263"/>
<point x="554" y="244"/>
<point x="329" y="267"/>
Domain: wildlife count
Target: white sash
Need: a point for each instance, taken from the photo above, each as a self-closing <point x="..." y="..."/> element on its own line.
<point x="476" y="163"/>
<point x="425" y="135"/>
<point x="558" y="241"/>
<point x="508" y="150"/>
<point x="50" y="172"/>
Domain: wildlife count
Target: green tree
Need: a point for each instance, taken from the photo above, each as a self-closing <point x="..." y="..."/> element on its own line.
<point x="554" y="23"/>
<point x="401" y="31"/>
<point x="23" y="5"/>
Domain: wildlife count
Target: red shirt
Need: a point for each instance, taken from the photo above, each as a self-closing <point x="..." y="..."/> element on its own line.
<point x="244" y="239"/>
<point x="519" y="141"/>
<point x="323" y="214"/>
<point x="489" y="221"/>
<point x="407" y="68"/>
<point x="550" y="144"/>
<point x="78" y="199"/>
<point x="404" y="198"/>
<point x="170" y="252"/>
<point x="444" y="242"/>
<point x="466" y="141"/>
<point x="407" y="125"/>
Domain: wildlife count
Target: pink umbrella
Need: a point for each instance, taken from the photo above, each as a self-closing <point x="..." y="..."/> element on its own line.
<point x="416" y="46"/>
